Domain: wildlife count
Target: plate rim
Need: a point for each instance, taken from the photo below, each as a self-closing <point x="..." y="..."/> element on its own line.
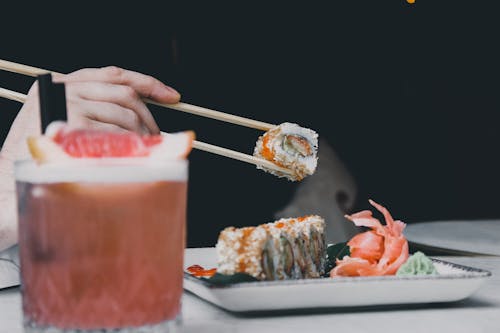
<point x="469" y="273"/>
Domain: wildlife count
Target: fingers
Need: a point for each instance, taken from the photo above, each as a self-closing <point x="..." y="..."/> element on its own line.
<point x="118" y="93"/>
<point x="88" y="113"/>
<point x="121" y="95"/>
<point x="146" y="86"/>
<point x="96" y="125"/>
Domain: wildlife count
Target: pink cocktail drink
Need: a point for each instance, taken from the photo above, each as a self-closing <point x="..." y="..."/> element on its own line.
<point x="101" y="244"/>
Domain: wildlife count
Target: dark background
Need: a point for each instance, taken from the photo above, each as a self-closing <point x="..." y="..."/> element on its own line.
<point x="408" y="95"/>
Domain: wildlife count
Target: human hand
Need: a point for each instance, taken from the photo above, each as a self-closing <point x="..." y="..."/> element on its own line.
<point x="108" y="98"/>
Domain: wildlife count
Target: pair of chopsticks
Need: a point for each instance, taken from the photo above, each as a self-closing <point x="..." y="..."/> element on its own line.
<point x="184" y="107"/>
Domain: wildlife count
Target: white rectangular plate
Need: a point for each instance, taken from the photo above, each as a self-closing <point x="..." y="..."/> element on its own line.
<point x="454" y="283"/>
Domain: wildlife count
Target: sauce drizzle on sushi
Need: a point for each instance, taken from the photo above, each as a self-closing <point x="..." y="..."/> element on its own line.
<point x="199" y="271"/>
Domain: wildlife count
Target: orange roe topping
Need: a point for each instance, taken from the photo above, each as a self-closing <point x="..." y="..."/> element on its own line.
<point x="267" y="153"/>
<point x="280" y="225"/>
<point x="242" y="265"/>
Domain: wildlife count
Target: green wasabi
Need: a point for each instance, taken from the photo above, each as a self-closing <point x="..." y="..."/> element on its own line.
<point x="417" y="264"/>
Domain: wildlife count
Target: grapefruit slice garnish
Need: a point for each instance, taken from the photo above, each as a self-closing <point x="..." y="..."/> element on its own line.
<point x="61" y="143"/>
<point x="43" y="149"/>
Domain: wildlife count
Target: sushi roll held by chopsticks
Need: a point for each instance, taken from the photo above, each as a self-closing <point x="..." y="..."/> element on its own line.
<point x="290" y="146"/>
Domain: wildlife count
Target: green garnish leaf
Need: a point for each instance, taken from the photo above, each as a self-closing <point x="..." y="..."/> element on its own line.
<point x="338" y="251"/>
<point x="222" y="279"/>
<point x="334" y="252"/>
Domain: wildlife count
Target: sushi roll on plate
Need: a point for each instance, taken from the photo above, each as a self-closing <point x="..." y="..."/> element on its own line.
<point x="291" y="248"/>
<point x="290" y="146"/>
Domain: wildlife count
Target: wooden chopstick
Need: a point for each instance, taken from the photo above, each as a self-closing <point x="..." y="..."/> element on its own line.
<point x="15" y="96"/>
<point x="184" y="107"/>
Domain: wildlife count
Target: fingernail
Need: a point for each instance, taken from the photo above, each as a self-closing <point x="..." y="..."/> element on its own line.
<point x="172" y="90"/>
<point x="166" y="94"/>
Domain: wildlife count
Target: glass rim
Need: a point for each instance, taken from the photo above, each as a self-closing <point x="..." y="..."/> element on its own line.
<point x="102" y="170"/>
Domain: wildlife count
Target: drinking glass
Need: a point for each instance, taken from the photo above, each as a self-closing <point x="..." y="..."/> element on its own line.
<point x="101" y="244"/>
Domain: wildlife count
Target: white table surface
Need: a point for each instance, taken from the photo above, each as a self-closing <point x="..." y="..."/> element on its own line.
<point x="477" y="236"/>
<point x="479" y="313"/>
